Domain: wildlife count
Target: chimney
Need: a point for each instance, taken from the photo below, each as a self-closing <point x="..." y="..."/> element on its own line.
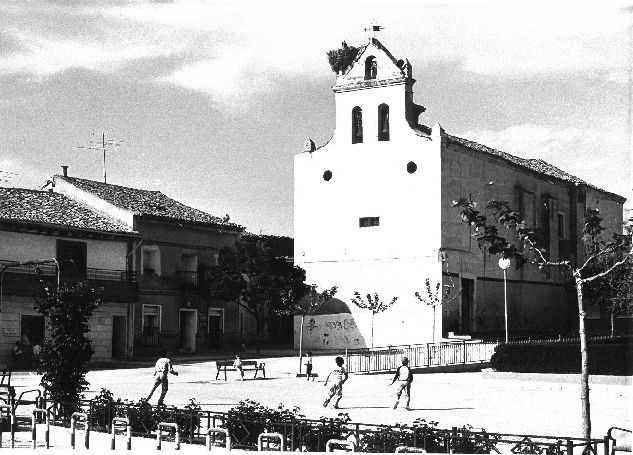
<point x="65" y="170"/>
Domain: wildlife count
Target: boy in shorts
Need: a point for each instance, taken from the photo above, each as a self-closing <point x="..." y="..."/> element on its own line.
<point x="339" y="376"/>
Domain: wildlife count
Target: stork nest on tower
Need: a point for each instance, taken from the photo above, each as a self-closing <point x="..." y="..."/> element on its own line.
<point x="340" y="59"/>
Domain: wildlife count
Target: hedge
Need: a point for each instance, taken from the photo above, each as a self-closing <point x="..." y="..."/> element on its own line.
<point x="608" y="358"/>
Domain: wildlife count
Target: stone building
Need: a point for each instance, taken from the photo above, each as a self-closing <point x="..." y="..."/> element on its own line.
<point x="38" y="228"/>
<point x="386" y="183"/>
<point x="177" y="244"/>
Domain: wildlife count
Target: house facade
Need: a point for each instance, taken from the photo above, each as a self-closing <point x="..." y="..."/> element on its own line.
<point x="47" y="236"/>
<point x="177" y="244"/>
<point x="387" y="184"/>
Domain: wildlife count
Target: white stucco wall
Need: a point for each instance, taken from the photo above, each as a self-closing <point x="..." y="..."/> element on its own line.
<point x="101" y="254"/>
<point x="370" y="179"/>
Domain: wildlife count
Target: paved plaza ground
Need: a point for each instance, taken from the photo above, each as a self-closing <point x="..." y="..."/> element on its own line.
<point x="452" y="399"/>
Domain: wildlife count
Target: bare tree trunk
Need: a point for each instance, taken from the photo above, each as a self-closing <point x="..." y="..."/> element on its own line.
<point x="258" y="339"/>
<point x="584" y="363"/>
<point x="303" y="316"/>
<point x="434" y="308"/>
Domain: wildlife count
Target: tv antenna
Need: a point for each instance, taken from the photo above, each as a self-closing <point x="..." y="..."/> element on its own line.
<point x="6" y="176"/>
<point x="104" y="146"/>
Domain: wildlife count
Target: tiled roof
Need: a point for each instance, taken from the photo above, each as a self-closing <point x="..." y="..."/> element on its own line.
<point x="146" y="202"/>
<point x="536" y="165"/>
<point x="44" y="207"/>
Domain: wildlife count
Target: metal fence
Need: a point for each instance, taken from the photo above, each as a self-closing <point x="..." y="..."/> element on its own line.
<point x="312" y="435"/>
<point x="420" y="355"/>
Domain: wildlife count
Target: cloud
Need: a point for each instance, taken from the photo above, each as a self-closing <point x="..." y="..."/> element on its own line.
<point x="238" y="49"/>
<point x="593" y="154"/>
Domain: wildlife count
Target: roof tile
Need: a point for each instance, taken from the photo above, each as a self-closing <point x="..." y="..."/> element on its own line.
<point x="45" y="207"/>
<point x="146" y="202"/>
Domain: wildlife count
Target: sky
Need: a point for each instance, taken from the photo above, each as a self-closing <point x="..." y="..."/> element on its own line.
<point x="212" y="99"/>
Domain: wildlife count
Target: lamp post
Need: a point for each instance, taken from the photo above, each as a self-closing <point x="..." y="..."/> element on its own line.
<point x="504" y="264"/>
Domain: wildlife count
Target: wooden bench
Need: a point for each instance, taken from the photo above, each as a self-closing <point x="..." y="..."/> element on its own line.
<point x="247" y="365"/>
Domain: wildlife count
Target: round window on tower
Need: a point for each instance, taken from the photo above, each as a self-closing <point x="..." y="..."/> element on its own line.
<point x="327" y="176"/>
<point x="411" y="167"/>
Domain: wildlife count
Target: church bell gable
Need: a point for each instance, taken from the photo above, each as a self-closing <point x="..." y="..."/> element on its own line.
<point x="373" y="66"/>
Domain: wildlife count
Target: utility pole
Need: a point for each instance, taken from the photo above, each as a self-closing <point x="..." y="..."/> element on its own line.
<point x="102" y="146"/>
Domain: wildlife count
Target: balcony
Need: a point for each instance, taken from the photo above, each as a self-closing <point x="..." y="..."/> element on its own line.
<point x="24" y="280"/>
<point x="188" y="281"/>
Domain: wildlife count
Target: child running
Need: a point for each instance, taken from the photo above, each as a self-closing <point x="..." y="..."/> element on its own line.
<point x="161" y="370"/>
<point x="404" y="376"/>
<point x="339" y="376"/>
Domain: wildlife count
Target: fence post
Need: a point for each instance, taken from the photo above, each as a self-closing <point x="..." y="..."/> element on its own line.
<point x="570" y="447"/>
<point x="606" y="441"/>
<point x="464" y="350"/>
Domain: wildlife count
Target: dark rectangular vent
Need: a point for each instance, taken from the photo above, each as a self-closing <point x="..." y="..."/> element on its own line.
<point x="369" y="221"/>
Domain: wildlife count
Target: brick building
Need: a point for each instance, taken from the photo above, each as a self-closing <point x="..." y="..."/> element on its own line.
<point x="386" y="183"/>
<point x="38" y="228"/>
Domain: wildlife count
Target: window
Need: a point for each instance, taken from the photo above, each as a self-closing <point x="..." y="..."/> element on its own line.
<point x="357" y="125"/>
<point x="188" y="272"/>
<point x="151" y="324"/>
<point x="72" y="258"/>
<point x="369" y="221"/>
<point x="561" y="226"/>
<point x="371" y="67"/>
<point x="150" y="257"/>
<point x="383" y="122"/>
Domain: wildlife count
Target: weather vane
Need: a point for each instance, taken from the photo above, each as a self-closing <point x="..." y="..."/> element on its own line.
<point x="103" y="146"/>
<point x="374" y="28"/>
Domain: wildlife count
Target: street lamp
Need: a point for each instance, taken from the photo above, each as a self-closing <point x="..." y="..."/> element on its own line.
<point x="504" y="264"/>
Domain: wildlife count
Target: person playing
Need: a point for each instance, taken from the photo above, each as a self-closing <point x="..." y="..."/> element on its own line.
<point x="339" y="376"/>
<point x="238" y="366"/>
<point x="161" y="371"/>
<point x="404" y="377"/>
<point x="309" y="364"/>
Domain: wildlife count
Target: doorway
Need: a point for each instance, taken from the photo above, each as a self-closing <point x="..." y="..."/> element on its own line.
<point x="188" y="330"/>
<point x="468" y="292"/>
<point x="216" y="328"/>
<point x="119" y="336"/>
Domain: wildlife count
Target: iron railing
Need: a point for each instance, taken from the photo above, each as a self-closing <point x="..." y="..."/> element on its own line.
<point x="90" y="273"/>
<point x="310" y="434"/>
<point x="188" y="279"/>
<point x="420" y="355"/>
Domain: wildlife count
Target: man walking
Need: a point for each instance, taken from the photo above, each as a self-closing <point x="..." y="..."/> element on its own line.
<point x="161" y="370"/>
<point x="404" y="378"/>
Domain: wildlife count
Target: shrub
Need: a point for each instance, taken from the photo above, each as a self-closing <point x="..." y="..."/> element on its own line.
<point x="613" y="357"/>
<point x="249" y="419"/>
<point x="144" y="418"/>
<point x="66" y="352"/>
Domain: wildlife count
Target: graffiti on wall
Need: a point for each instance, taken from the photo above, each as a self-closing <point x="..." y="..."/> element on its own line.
<point x="347" y="324"/>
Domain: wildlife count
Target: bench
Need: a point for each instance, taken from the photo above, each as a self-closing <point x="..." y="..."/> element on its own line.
<point x="247" y="365"/>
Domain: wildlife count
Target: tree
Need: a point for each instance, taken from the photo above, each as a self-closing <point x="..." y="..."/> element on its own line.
<point x="67" y="351"/>
<point x="309" y="305"/>
<point x="434" y="298"/>
<point x="526" y="249"/>
<point x="612" y="293"/>
<point x="252" y="277"/>
<point x="375" y="305"/>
